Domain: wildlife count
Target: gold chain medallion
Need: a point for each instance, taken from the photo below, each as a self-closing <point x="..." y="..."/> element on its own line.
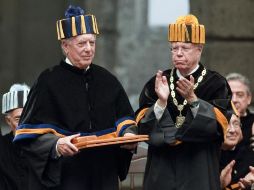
<point x="180" y="118"/>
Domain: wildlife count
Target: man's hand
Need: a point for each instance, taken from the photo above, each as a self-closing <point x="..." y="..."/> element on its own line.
<point x="248" y="180"/>
<point x="185" y="88"/>
<point x="226" y="174"/>
<point x="161" y="89"/>
<point x="129" y="146"/>
<point x="65" y="147"/>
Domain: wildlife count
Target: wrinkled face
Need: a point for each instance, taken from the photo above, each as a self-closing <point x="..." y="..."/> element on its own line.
<point x="240" y="96"/>
<point x="12" y="118"/>
<point x="185" y="56"/>
<point x="234" y="133"/>
<point x="80" y="50"/>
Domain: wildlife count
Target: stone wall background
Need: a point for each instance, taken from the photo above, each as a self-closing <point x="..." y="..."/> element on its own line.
<point x="126" y="46"/>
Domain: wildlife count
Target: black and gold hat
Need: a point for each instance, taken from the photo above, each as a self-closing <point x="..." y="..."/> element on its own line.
<point x="75" y="23"/>
<point x="187" y="29"/>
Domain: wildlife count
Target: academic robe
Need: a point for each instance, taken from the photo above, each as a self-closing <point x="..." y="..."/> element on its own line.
<point x="185" y="158"/>
<point x="244" y="157"/>
<point x="247" y="122"/>
<point x="2" y="179"/>
<point x="13" y="168"/>
<point x="68" y="100"/>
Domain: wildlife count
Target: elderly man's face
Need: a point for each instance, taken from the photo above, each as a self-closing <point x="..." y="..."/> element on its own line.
<point x="12" y="118"/>
<point x="80" y="50"/>
<point x="234" y="133"/>
<point x="185" y="56"/>
<point x="241" y="98"/>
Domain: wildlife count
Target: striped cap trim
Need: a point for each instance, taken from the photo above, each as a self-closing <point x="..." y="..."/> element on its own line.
<point x="13" y="100"/>
<point x="76" y="25"/>
<point x="194" y="33"/>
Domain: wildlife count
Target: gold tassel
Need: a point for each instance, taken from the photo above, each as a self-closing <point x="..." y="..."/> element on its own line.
<point x="57" y="30"/>
<point x="171" y="32"/>
<point x="183" y="32"/>
<point x="193" y="39"/>
<point x="175" y="33"/>
<point x="73" y="26"/>
<point x="197" y="34"/>
<point x="202" y="34"/>
<point x="61" y="30"/>
<point x="83" y="25"/>
<point x="93" y="23"/>
<point x="187" y="34"/>
<point x="179" y="33"/>
<point x="96" y="26"/>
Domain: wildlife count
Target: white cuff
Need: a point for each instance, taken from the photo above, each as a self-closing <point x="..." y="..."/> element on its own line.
<point x="57" y="153"/>
<point x="158" y="110"/>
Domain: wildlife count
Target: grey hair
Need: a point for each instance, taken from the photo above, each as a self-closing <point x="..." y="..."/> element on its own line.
<point x="241" y="78"/>
<point x="19" y="87"/>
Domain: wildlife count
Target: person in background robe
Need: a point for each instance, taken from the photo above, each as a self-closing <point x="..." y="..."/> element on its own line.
<point x="76" y="98"/>
<point x="12" y="162"/>
<point x="241" y="97"/>
<point x="184" y="110"/>
<point x="243" y="152"/>
<point x="236" y="163"/>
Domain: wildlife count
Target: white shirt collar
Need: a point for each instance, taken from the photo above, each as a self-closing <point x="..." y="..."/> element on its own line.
<point x="193" y="71"/>
<point x="70" y="63"/>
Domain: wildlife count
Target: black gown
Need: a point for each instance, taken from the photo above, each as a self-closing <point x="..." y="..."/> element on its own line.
<point x="185" y="158"/>
<point x="244" y="157"/>
<point x="247" y="122"/>
<point x="13" y="168"/>
<point x="69" y="100"/>
<point x="242" y="154"/>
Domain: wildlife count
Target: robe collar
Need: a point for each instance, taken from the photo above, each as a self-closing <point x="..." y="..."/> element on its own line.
<point x="193" y="71"/>
<point x="69" y="66"/>
<point x="70" y="63"/>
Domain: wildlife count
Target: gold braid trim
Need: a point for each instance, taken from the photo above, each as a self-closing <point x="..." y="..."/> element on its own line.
<point x="197" y="34"/>
<point x="83" y="24"/>
<point x="61" y="30"/>
<point x="57" y="30"/>
<point x="73" y="26"/>
<point x="202" y="34"/>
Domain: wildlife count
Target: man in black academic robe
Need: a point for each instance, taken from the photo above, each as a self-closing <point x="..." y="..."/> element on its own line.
<point x="241" y="97"/>
<point x="243" y="157"/>
<point x="184" y="111"/>
<point x="13" y="166"/>
<point x="242" y="153"/>
<point x="76" y="98"/>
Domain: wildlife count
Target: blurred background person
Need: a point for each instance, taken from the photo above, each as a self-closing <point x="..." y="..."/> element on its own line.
<point x="12" y="162"/>
<point x="241" y="97"/>
<point x="236" y="161"/>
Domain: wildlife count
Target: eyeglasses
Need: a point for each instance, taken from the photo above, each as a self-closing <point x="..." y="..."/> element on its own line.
<point x="184" y="49"/>
<point x="234" y="125"/>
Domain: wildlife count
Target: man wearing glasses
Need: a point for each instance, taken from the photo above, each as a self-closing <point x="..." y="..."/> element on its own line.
<point x="184" y="110"/>
<point x="236" y="161"/>
<point x="241" y="97"/>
